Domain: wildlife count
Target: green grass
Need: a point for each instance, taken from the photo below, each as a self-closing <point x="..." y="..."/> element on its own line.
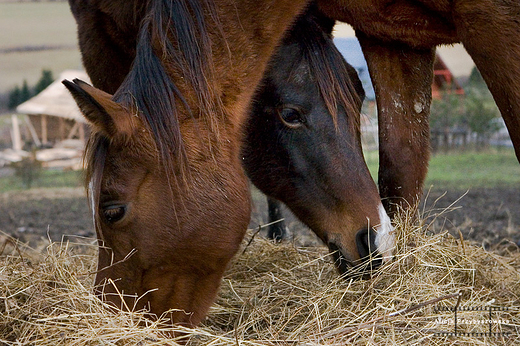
<point x="372" y="160"/>
<point x="46" y="179"/>
<point x="451" y="171"/>
<point x="481" y="169"/>
<point x="463" y="170"/>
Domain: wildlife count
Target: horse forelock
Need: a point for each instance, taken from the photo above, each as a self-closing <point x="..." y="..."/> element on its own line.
<point x="329" y="70"/>
<point x="172" y="33"/>
<point x="173" y="45"/>
<point x="332" y="76"/>
<point x="95" y="158"/>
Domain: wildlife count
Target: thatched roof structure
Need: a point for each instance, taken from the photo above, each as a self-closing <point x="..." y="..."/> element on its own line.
<point x="53" y="115"/>
<point x="55" y="100"/>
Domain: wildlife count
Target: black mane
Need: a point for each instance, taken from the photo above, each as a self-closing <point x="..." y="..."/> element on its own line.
<point x="173" y="35"/>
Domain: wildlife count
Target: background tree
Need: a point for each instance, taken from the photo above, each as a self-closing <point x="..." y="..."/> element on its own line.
<point x="474" y="114"/>
<point x="14" y="97"/>
<point x="45" y="80"/>
<point x="19" y="95"/>
<point x="481" y="112"/>
<point x="446" y="115"/>
<point x="476" y="81"/>
<point x="25" y="92"/>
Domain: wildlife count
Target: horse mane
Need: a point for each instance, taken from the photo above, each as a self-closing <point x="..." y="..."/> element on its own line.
<point x="312" y="32"/>
<point x="172" y="35"/>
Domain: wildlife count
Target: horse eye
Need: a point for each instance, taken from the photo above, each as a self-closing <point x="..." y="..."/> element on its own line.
<point x="114" y="213"/>
<point x="291" y="117"/>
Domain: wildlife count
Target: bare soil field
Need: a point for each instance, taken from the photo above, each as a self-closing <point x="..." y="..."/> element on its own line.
<point x="486" y="216"/>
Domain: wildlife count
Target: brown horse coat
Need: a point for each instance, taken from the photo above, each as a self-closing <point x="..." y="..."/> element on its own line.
<point x="398" y="39"/>
<point x="169" y="195"/>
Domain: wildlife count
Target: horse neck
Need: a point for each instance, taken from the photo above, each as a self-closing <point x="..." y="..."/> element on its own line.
<point x="251" y="32"/>
<point x="203" y="58"/>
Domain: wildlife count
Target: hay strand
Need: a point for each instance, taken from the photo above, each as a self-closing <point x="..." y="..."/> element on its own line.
<point x="279" y="294"/>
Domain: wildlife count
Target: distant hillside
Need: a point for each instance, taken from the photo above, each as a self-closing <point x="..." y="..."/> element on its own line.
<point x="35" y="36"/>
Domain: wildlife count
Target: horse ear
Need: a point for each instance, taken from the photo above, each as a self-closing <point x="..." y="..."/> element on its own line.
<point x="100" y="110"/>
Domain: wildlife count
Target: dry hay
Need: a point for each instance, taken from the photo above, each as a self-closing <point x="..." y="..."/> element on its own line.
<point x="277" y="294"/>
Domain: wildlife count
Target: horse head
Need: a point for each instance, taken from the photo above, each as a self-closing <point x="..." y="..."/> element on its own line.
<point x="151" y="221"/>
<point x="303" y="145"/>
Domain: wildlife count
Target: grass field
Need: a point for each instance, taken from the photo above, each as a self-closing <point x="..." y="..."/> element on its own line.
<point x="464" y="170"/>
<point x="46" y="179"/>
<point x="36" y="24"/>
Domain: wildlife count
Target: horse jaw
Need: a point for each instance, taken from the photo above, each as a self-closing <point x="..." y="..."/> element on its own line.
<point x="385" y="236"/>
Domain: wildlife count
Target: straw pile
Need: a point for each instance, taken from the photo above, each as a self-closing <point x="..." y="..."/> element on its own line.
<point x="278" y="295"/>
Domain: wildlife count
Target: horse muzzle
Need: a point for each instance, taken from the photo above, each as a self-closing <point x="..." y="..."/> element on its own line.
<point x="374" y="247"/>
<point x="369" y="257"/>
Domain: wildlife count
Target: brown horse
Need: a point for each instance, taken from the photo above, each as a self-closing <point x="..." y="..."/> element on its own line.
<point x="304" y="150"/>
<point x="169" y="197"/>
<point x="398" y="39"/>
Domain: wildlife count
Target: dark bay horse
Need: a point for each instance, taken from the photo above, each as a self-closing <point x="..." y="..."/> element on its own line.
<point x="398" y="39"/>
<point x="294" y="149"/>
<point x="169" y="196"/>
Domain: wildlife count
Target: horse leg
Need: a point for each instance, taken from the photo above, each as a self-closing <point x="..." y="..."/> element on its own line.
<point x="277" y="230"/>
<point x="490" y="34"/>
<point x="402" y="78"/>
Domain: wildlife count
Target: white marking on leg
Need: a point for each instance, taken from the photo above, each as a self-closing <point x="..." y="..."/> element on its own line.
<point x="418" y="107"/>
<point x="385" y="237"/>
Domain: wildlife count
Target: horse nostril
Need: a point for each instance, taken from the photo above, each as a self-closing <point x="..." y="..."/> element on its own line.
<point x="339" y="259"/>
<point x="369" y="256"/>
<point x="365" y="242"/>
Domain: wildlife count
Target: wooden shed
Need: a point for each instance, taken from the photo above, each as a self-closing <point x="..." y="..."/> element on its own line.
<point x="53" y="114"/>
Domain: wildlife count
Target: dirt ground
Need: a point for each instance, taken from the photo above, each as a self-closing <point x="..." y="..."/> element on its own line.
<point x="486" y="216"/>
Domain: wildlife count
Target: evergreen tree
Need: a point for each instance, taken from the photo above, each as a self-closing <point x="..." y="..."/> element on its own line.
<point x="14" y="98"/>
<point x="446" y="112"/>
<point x="475" y="81"/>
<point x="25" y="92"/>
<point x="45" y="80"/>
